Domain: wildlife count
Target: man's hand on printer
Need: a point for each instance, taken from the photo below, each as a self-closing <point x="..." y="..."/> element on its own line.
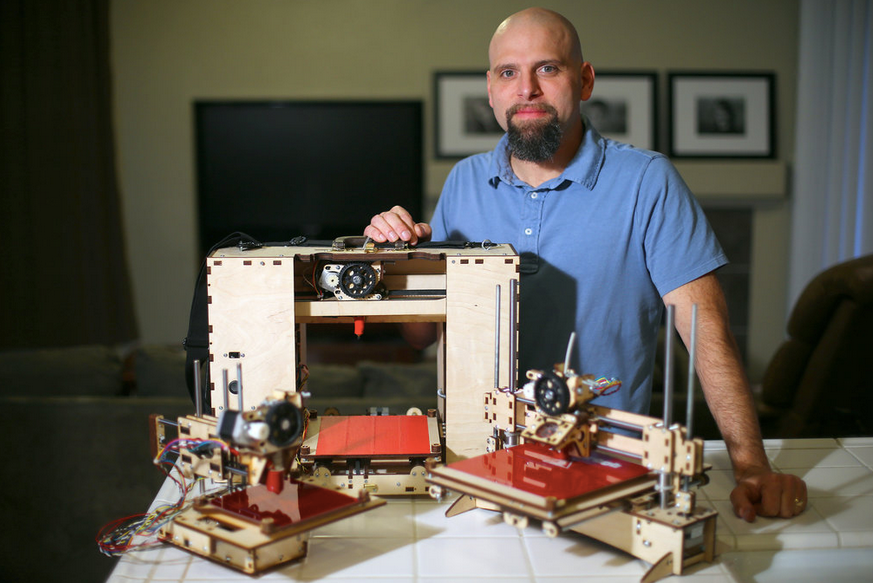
<point x="396" y="224"/>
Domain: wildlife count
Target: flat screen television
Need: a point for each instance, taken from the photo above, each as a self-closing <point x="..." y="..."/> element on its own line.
<point x="280" y="169"/>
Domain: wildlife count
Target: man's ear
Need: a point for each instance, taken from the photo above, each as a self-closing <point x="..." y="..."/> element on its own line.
<point x="587" y="80"/>
<point x="488" y="85"/>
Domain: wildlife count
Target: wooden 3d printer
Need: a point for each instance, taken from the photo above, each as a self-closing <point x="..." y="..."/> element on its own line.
<point x="625" y="479"/>
<point x="549" y="455"/>
<point x="261" y="299"/>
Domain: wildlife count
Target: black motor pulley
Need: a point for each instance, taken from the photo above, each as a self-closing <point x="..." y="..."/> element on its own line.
<point x="552" y="394"/>
<point x="285" y="422"/>
<point x="357" y="280"/>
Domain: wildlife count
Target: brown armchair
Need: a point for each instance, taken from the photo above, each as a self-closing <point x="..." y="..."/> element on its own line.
<point x="819" y="383"/>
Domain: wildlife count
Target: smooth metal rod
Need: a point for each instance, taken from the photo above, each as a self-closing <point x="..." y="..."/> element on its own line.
<point x="239" y="386"/>
<point x="619" y="425"/>
<point x="198" y="391"/>
<point x="226" y="389"/>
<point x="608" y="449"/>
<point x="513" y="334"/>
<point x="497" y="337"/>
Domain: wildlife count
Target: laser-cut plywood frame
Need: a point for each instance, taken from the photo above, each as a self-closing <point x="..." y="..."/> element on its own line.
<point x="260" y="302"/>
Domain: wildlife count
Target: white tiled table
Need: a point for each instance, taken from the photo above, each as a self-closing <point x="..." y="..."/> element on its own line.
<point x="410" y="540"/>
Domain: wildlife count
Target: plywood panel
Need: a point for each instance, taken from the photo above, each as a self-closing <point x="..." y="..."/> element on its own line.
<point x="471" y="304"/>
<point x="251" y="317"/>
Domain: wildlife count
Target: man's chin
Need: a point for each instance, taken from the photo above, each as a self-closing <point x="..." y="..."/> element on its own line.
<point x="528" y="127"/>
<point x="535" y="141"/>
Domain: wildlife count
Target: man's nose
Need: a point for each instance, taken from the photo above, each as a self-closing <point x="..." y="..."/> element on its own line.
<point x="529" y="88"/>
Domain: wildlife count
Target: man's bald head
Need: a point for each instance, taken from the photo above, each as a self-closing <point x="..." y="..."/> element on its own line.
<point x="558" y="27"/>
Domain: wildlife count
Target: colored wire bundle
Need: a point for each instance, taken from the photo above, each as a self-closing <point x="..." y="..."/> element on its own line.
<point x="199" y="447"/>
<point x="135" y="532"/>
<point x="604" y="386"/>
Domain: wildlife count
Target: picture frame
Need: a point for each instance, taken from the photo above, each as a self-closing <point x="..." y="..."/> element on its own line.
<point x="721" y="115"/>
<point x="623" y="106"/>
<point x="464" y="123"/>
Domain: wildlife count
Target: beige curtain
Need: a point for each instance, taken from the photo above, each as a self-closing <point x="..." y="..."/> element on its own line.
<point x="832" y="206"/>
<point x="64" y="275"/>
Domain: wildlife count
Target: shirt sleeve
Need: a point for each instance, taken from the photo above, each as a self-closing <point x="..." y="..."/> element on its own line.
<point x="680" y="246"/>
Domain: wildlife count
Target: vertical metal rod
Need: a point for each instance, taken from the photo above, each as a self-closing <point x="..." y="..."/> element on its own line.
<point x="239" y="385"/>
<point x="198" y="410"/>
<point x="692" y="354"/>
<point x="198" y="391"/>
<point x="689" y="406"/>
<point x="668" y="369"/>
<point x="668" y="396"/>
<point x="441" y="372"/>
<point x="497" y="337"/>
<point x="226" y="389"/>
<point x="513" y="334"/>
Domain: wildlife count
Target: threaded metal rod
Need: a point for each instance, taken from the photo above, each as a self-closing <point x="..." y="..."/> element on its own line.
<point x="689" y="409"/>
<point x="664" y="478"/>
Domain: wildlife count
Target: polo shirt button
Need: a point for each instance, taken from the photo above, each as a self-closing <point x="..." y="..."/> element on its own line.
<point x="533" y="195"/>
<point x="528" y="231"/>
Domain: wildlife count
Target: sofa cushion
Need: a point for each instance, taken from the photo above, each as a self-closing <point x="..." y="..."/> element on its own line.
<point x="160" y="371"/>
<point x="58" y="372"/>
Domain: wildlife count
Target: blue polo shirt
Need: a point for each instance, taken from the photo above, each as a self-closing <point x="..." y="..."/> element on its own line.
<point x="599" y="245"/>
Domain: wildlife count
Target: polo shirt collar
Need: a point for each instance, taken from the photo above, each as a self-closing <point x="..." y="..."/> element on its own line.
<point x="584" y="169"/>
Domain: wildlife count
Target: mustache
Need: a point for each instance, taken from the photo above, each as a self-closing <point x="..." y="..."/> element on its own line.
<point x="535" y="106"/>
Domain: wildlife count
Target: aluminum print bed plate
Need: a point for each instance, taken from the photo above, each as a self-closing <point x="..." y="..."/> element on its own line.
<point x="369" y="436"/>
<point x="541" y="471"/>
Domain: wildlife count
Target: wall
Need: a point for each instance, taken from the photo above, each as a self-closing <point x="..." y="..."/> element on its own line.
<point x="166" y="53"/>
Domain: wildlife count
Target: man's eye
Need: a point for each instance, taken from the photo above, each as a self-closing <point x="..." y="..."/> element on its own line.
<point x="548" y="69"/>
<point x="507" y="74"/>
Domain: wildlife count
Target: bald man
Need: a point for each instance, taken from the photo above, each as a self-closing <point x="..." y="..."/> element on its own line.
<point x="607" y="234"/>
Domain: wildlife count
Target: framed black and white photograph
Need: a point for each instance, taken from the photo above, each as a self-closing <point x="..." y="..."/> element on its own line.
<point x="464" y="123"/>
<point x="715" y="115"/>
<point x="623" y="107"/>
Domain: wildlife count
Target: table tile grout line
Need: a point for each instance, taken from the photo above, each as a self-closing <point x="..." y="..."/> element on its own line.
<point x="414" y="507"/>
<point x="852" y="453"/>
<point x="527" y="560"/>
<point x="188" y="564"/>
<point x="154" y="567"/>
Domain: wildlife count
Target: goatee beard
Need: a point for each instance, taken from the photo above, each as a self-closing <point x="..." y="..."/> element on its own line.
<point x="534" y="141"/>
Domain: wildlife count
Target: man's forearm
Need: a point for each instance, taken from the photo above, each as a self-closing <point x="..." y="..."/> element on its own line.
<point x="720" y="371"/>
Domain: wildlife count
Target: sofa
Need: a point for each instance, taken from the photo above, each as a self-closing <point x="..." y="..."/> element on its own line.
<point x="818" y="382"/>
